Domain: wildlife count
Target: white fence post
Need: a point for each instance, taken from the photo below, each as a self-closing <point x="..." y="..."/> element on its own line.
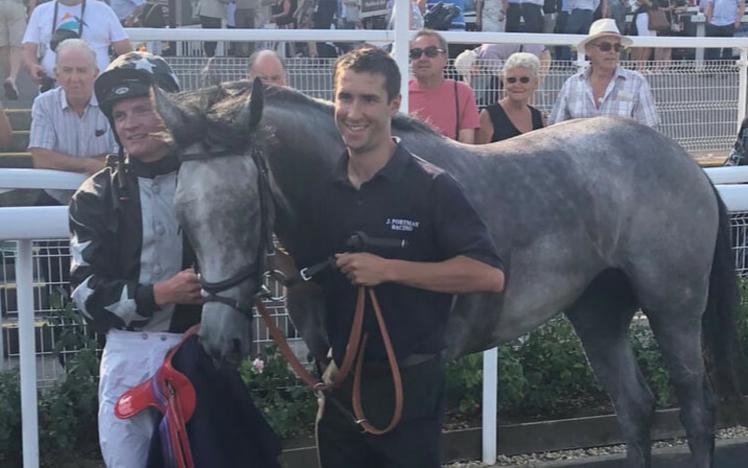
<point x="742" y="85"/>
<point x="401" y="48"/>
<point x="25" y="298"/>
<point x="490" y="404"/>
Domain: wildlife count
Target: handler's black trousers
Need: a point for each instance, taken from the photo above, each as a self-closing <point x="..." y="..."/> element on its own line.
<point x="414" y="443"/>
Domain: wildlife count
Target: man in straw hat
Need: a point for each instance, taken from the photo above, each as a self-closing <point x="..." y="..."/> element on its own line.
<point x="605" y="88"/>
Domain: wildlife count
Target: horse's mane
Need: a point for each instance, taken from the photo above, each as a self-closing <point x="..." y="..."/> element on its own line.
<point x="402" y="122"/>
<point x="213" y="111"/>
<point x="212" y="117"/>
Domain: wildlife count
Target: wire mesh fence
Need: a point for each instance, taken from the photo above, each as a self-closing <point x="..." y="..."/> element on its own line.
<point x="697" y="103"/>
<point x="51" y="264"/>
<point x="51" y="282"/>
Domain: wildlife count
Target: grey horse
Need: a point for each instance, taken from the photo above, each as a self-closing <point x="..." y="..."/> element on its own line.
<point x="596" y="218"/>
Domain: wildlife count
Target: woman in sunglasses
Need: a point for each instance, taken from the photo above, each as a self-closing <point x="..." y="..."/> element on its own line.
<point x="513" y="115"/>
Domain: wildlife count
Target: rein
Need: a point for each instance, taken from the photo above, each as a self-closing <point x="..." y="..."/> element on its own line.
<point x="356" y="346"/>
<point x="354" y="351"/>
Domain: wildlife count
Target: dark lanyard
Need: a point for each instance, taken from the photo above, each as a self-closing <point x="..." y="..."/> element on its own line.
<point x="80" y="22"/>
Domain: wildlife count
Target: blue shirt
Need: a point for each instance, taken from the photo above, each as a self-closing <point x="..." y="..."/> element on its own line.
<point x="725" y="12"/>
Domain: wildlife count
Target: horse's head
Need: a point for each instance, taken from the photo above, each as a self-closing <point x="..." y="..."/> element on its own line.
<point x="223" y="201"/>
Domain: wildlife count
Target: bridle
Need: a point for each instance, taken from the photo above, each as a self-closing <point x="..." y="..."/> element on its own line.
<point x="356" y="346"/>
<point x="252" y="272"/>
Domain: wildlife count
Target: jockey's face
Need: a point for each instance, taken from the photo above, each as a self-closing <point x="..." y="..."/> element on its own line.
<point x="140" y="129"/>
<point x="363" y="111"/>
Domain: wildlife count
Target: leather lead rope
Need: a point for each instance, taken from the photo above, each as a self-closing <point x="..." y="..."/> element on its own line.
<point x="355" y="350"/>
<point x="358" y="409"/>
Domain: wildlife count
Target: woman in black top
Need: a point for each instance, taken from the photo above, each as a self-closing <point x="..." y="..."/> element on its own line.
<point x="512" y="115"/>
<point x="737" y="156"/>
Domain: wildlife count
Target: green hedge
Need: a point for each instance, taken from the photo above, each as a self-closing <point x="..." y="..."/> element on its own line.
<point x="544" y="374"/>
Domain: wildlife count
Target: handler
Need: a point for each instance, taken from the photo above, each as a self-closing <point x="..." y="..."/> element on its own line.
<point x="130" y="262"/>
<point x="382" y="190"/>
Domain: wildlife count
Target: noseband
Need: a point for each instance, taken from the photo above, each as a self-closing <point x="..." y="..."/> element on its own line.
<point x="253" y="272"/>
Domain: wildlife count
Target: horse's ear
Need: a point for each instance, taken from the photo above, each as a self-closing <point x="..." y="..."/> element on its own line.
<point x="256" y="103"/>
<point x="173" y="116"/>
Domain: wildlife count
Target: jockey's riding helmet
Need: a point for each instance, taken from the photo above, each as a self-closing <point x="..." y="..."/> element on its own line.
<point x="132" y="75"/>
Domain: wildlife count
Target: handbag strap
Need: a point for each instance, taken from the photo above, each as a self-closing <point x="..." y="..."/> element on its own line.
<point x="457" y="113"/>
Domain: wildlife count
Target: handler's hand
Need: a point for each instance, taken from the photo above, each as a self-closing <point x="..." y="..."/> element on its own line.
<point x="182" y="288"/>
<point x="363" y="269"/>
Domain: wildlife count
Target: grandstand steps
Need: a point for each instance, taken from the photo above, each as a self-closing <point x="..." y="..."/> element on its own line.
<point x="20" y="140"/>
<point x="20" y="118"/>
<point x="15" y="160"/>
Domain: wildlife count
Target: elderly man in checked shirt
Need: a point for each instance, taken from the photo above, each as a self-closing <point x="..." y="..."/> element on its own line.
<point x="605" y="88"/>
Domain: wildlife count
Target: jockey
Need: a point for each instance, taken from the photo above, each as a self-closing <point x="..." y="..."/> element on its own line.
<point x="132" y="270"/>
<point x="131" y="265"/>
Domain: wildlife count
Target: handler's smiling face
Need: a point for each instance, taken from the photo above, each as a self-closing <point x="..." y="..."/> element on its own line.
<point x="363" y="111"/>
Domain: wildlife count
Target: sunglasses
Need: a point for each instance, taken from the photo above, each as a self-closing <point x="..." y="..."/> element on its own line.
<point x="430" y="51"/>
<point x="521" y="79"/>
<point x="607" y="46"/>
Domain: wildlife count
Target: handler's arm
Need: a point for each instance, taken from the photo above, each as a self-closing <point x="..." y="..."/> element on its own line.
<point x="457" y="275"/>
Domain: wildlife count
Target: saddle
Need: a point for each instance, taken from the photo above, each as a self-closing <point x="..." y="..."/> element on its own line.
<point x="172" y="394"/>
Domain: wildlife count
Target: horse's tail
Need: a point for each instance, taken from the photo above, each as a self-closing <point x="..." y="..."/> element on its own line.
<point x="719" y="326"/>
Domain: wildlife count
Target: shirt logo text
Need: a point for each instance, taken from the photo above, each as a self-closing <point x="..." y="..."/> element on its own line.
<point x="397" y="224"/>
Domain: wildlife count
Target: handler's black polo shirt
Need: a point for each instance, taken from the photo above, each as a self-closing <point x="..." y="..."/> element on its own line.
<point x="408" y="199"/>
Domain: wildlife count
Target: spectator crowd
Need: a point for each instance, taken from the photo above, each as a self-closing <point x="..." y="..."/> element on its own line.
<point x="65" y="44"/>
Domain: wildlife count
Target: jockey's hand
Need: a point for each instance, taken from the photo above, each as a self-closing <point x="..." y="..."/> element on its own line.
<point x="363" y="269"/>
<point x="182" y="288"/>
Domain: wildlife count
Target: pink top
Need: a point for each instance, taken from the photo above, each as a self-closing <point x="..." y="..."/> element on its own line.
<point x="437" y="106"/>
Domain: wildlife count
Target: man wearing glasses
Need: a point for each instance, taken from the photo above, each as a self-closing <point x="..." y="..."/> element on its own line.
<point x="605" y="88"/>
<point x="447" y="105"/>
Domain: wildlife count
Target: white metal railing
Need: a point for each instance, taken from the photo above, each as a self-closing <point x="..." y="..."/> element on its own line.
<point x="400" y="36"/>
<point x="25" y="224"/>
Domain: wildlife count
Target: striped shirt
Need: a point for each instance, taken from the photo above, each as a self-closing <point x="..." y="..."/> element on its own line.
<point x="627" y="95"/>
<point x="57" y="127"/>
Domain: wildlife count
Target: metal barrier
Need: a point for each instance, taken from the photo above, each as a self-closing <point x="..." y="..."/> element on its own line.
<point x="51" y="265"/>
<point x="697" y="106"/>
